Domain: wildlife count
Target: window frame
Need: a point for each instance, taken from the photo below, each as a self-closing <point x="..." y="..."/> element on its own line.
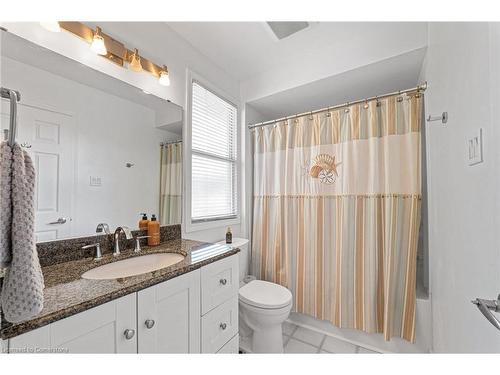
<point x="189" y="225"/>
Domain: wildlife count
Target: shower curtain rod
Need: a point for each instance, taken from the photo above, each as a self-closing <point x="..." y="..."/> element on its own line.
<point x="170" y="142"/>
<point x="421" y="87"/>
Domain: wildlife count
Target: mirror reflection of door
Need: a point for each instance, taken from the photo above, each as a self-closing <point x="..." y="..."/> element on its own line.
<point x="51" y="137"/>
<point x="171" y="182"/>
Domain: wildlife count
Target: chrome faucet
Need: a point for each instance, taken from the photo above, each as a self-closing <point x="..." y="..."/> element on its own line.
<point x="128" y="236"/>
<point x="98" y="254"/>
<point x="102" y="227"/>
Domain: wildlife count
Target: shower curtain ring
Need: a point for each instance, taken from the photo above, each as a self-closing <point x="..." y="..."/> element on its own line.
<point x="400" y="98"/>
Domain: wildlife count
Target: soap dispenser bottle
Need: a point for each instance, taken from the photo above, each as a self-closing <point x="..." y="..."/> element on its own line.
<point x="153" y="231"/>
<point x="229" y="235"/>
<point x="143" y="223"/>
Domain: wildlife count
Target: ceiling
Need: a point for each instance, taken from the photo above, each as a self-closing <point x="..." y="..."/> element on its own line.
<point x="245" y="49"/>
<point x="389" y="75"/>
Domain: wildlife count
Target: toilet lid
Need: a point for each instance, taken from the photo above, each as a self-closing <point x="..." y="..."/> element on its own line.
<point x="265" y="295"/>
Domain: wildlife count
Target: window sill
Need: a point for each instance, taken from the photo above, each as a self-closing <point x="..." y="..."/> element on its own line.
<point x="196" y="227"/>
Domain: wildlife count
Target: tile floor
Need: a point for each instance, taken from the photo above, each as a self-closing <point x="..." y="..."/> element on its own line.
<point x="302" y="340"/>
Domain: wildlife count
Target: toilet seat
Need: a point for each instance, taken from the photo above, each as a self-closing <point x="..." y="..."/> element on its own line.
<point x="265" y="295"/>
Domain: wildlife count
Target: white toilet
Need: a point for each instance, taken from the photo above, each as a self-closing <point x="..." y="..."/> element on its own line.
<point x="263" y="307"/>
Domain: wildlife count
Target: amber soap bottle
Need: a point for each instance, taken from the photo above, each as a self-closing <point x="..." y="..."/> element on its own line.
<point x="153" y="231"/>
<point x="143" y="223"/>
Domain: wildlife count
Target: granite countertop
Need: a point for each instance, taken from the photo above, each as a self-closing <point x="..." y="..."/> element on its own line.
<point x="66" y="293"/>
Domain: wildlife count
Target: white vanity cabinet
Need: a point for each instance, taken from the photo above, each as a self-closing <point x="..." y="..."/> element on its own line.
<point x="168" y="316"/>
<point x="108" y="328"/>
<point x="192" y="313"/>
<point x="219" y="303"/>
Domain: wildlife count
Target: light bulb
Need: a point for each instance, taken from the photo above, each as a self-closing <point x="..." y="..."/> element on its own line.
<point x="135" y="62"/>
<point x="164" y="79"/>
<point x="51" y="26"/>
<point x="98" y="45"/>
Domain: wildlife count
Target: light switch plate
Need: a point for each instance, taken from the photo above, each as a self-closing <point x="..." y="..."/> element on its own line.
<point x="475" y="147"/>
<point x="95" y="181"/>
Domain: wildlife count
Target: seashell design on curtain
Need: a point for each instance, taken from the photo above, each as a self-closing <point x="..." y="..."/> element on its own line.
<point x="336" y="213"/>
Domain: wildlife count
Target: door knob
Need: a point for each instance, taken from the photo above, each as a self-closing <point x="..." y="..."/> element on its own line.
<point x="61" y="220"/>
<point x="149" y="323"/>
<point x="129" y="333"/>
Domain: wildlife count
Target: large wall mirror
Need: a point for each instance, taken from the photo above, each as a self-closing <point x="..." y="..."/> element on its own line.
<point x="104" y="151"/>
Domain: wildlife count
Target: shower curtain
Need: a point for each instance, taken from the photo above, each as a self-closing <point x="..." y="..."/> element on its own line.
<point x="337" y="200"/>
<point x="171" y="183"/>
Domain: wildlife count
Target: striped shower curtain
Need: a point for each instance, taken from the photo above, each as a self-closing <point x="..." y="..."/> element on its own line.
<point x="337" y="200"/>
<point x="171" y="183"/>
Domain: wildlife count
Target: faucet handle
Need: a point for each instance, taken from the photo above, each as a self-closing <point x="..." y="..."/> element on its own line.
<point x="138" y="243"/>
<point x="102" y="227"/>
<point x="97" y="246"/>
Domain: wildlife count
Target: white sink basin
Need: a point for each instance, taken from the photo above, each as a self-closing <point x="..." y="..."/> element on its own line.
<point x="133" y="266"/>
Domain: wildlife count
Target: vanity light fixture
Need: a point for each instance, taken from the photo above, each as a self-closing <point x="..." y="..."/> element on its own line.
<point x="51" y="26"/>
<point x="164" y="79"/>
<point x="98" y="45"/>
<point x="115" y="51"/>
<point x="135" y="61"/>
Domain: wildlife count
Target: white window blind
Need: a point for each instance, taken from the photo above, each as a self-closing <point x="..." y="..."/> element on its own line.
<point x="214" y="153"/>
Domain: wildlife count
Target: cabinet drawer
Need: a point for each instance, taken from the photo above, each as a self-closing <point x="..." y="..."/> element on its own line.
<point x="219" y="282"/>
<point x="231" y="347"/>
<point x="219" y="326"/>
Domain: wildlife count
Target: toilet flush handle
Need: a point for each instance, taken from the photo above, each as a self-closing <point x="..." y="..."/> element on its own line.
<point x="223" y="326"/>
<point x="223" y="281"/>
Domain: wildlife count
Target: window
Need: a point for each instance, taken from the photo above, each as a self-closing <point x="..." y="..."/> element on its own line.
<point x="213" y="157"/>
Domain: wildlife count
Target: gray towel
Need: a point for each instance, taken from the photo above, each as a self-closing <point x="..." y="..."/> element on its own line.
<point x="22" y="292"/>
<point x="5" y="204"/>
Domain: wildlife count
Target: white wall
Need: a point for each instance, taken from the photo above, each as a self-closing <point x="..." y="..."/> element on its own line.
<point x="462" y="69"/>
<point x="110" y="131"/>
<point x="367" y="43"/>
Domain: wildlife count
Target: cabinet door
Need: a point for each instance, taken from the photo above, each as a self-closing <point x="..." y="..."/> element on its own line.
<point x="219" y="326"/>
<point x="34" y="341"/>
<point x="169" y="316"/>
<point x="231" y="347"/>
<point x="219" y="282"/>
<point x="97" y="330"/>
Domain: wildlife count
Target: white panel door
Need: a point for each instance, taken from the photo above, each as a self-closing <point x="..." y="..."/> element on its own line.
<point x="51" y="136"/>
<point x="97" y="330"/>
<point x="168" y="316"/>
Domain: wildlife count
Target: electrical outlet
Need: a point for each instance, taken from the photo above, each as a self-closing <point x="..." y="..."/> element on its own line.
<point x="475" y="148"/>
<point x="95" y="181"/>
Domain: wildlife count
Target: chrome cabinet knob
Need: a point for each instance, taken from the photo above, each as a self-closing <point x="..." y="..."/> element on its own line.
<point x="129" y="333"/>
<point x="223" y="281"/>
<point x="223" y="326"/>
<point x="149" y="323"/>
